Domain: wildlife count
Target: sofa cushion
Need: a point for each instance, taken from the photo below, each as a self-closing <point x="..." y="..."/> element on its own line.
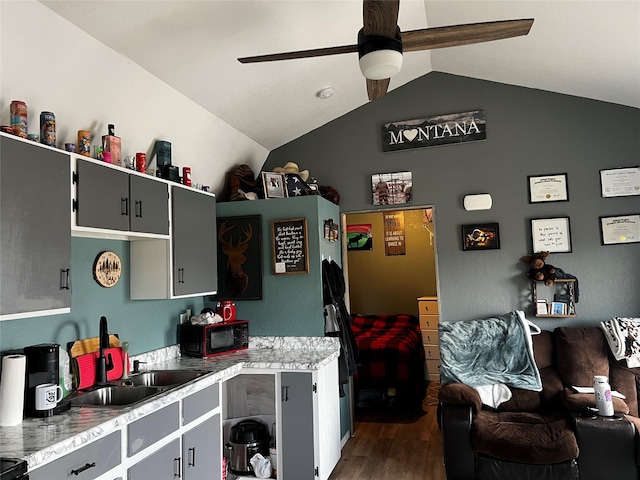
<point x="543" y="349"/>
<point x="577" y="402"/>
<point x="581" y="354"/>
<point x="524" y="437"/>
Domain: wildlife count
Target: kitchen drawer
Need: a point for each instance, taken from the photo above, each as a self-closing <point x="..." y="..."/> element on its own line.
<point x="153" y="427"/>
<point x="96" y="458"/>
<point x="162" y="464"/>
<point x="196" y="405"/>
<point x="431" y="352"/>
<point x="430" y="337"/>
<point x="429" y="322"/>
<point x="432" y="368"/>
<point x="428" y="307"/>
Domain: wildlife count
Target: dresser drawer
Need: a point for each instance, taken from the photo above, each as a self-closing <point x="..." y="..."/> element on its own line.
<point x="153" y="427"/>
<point x="429" y="322"/>
<point x="432" y="368"/>
<point x="430" y="337"/>
<point x="428" y="307"/>
<point x="88" y="462"/>
<point x="431" y="352"/>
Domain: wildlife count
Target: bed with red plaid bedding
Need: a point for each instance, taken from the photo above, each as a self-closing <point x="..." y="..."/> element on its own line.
<point x="391" y="353"/>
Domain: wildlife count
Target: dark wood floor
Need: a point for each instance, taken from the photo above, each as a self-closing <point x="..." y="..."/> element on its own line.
<point x="391" y="444"/>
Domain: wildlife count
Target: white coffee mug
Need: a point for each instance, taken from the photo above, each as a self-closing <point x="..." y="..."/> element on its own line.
<point x="47" y="396"/>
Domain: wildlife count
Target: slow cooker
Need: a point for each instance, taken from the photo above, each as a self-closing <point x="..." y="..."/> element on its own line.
<point x="246" y="438"/>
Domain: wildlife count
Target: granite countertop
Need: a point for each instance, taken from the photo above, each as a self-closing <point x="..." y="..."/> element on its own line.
<point x="42" y="440"/>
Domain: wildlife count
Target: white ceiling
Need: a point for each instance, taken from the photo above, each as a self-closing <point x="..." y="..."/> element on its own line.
<point x="585" y="48"/>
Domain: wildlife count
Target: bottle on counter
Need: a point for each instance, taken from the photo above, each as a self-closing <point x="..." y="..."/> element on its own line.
<point x="602" y="391"/>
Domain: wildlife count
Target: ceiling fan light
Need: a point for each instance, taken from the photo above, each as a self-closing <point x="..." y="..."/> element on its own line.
<point x="381" y="64"/>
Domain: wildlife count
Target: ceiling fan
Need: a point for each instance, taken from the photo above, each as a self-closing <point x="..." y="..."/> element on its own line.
<point x="381" y="43"/>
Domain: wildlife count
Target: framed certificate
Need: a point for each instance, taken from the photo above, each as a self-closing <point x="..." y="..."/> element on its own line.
<point x="620" y="182"/>
<point x="548" y="188"/>
<point x="551" y="235"/>
<point x="620" y="229"/>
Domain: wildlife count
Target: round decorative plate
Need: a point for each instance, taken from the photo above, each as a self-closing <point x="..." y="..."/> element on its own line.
<point x="107" y="269"/>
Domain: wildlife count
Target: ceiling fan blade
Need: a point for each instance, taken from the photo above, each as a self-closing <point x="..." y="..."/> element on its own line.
<point x="380" y="17"/>
<point x="456" y="35"/>
<point x="318" y="52"/>
<point x="377" y="88"/>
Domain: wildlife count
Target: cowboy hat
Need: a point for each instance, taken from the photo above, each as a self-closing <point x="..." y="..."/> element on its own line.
<point x="291" y="167"/>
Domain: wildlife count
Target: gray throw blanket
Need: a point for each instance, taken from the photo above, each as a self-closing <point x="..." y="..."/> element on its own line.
<point x="489" y="351"/>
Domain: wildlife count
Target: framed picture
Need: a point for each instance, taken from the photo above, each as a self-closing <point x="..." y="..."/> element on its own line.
<point x="620" y="182"/>
<point x="480" y="236"/>
<point x="558" y="308"/>
<point x="542" y="308"/>
<point x="551" y="235"/>
<point x="239" y="258"/>
<point x="620" y="229"/>
<point x="391" y="188"/>
<point x="548" y="188"/>
<point x="289" y="246"/>
<point x="275" y="185"/>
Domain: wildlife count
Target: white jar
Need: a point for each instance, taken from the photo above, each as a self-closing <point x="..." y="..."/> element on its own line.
<point x="602" y="391"/>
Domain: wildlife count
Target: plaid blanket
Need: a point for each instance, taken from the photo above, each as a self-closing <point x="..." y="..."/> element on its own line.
<point x="391" y="352"/>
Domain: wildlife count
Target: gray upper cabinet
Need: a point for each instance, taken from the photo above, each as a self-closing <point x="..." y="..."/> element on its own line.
<point x="35" y="240"/>
<point x="194" y="242"/>
<point x="113" y="199"/>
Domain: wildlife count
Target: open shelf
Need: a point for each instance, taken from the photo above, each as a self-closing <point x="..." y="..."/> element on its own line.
<point x="564" y="287"/>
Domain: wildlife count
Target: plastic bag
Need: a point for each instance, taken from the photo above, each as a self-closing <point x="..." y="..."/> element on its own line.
<point x="261" y="466"/>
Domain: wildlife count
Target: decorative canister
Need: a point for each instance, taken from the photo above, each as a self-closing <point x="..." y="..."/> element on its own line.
<point x="19" y="118"/>
<point x="48" y="128"/>
<point x="141" y="162"/>
<point x="186" y="176"/>
<point x="163" y="153"/>
<point x="602" y="391"/>
<point x="84" y="142"/>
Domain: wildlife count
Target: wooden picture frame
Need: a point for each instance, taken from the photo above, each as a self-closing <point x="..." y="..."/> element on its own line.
<point x="275" y="185"/>
<point x="484" y="236"/>
<point x="548" y="188"/>
<point x="239" y="258"/>
<point x="290" y="247"/>
<point x="551" y="235"/>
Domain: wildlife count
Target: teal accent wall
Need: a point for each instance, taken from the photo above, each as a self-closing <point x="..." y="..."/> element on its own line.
<point x="291" y="304"/>
<point x="145" y="324"/>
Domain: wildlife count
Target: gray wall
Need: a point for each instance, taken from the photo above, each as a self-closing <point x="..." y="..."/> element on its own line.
<point x="529" y="132"/>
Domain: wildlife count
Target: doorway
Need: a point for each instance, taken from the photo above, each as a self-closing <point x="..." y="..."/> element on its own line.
<point x="386" y="271"/>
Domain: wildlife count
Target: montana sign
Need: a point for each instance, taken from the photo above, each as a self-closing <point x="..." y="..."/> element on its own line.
<point x="440" y="130"/>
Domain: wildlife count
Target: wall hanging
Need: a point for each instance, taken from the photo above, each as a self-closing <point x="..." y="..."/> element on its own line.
<point x="289" y="245"/>
<point x="107" y="269"/>
<point x="620" y="182"/>
<point x="431" y="131"/>
<point x="480" y="236"/>
<point x="551" y="235"/>
<point x="548" y="188"/>
<point x="391" y="188"/>
<point x="621" y="229"/>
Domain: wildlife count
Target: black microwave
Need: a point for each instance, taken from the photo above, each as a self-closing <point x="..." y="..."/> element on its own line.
<point x="213" y="339"/>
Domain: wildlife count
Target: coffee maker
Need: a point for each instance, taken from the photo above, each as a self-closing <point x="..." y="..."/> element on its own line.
<point x="42" y="367"/>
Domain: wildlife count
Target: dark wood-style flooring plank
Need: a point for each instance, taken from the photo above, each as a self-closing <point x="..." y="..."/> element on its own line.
<point x="394" y="445"/>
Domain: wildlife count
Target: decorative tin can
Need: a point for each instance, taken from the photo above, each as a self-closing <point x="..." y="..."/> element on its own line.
<point x="70" y="147"/>
<point x="141" y="162"/>
<point x="19" y="118"/>
<point x="186" y="176"/>
<point x="34" y="137"/>
<point x="163" y="153"/>
<point x="84" y="142"/>
<point x="48" y="128"/>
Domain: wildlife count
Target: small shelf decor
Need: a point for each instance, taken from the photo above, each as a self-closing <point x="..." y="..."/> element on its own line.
<point x="559" y="298"/>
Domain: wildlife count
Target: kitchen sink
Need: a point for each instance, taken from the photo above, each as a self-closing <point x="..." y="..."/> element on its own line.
<point x="113" y="396"/>
<point x="164" y="378"/>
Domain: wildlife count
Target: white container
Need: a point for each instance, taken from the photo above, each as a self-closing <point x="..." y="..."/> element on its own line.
<point x="602" y="391"/>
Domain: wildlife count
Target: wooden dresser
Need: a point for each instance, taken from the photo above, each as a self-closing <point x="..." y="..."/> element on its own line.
<point x="428" y="310"/>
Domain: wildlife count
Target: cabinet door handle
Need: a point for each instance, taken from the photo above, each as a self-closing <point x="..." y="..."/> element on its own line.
<point x="139" y="208"/>
<point x="124" y="206"/>
<point x="181" y="275"/>
<point x="176" y="465"/>
<point x="87" y="466"/>
<point x="191" y="457"/>
<point x="285" y="393"/>
<point x="64" y="279"/>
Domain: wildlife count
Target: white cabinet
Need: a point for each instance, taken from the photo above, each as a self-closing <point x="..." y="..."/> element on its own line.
<point x="305" y="407"/>
<point x="35" y="240"/>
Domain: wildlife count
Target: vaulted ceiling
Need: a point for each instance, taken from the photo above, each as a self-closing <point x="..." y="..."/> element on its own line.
<point x="585" y="48"/>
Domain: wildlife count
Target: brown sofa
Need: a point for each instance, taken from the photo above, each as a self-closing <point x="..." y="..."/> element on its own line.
<point x="551" y="434"/>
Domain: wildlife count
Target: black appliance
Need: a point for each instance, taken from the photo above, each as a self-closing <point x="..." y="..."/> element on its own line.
<point x="13" y="469"/>
<point x="246" y="438"/>
<point x="42" y="367"/>
<point x="213" y="339"/>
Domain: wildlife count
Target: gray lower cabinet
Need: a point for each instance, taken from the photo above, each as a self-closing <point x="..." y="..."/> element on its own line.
<point x="296" y="446"/>
<point x="202" y="451"/>
<point x="113" y="199"/>
<point x="35" y="226"/>
<point x="194" y="242"/>
<point x="88" y="462"/>
<point x="149" y="429"/>
<point x="163" y="464"/>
